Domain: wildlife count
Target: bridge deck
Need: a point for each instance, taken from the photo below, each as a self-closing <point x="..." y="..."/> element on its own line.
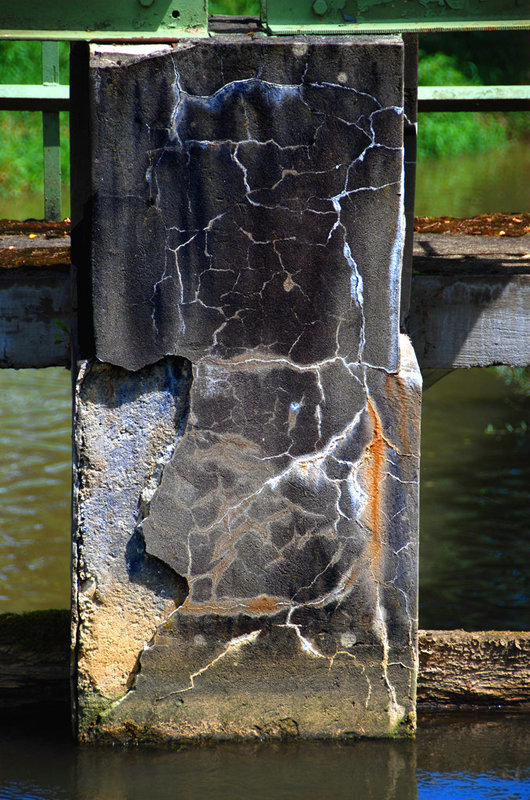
<point x="470" y="301"/>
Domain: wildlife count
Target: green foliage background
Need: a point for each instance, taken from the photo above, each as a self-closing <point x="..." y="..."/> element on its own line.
<point x="445" y="59"/>
<point x="443" y="134"/>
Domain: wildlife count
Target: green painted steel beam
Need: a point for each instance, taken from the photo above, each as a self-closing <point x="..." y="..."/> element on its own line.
<point x="314" y="28"/>
<point x="392" y="16"/>
<point x="34" y="97"/>
<point x="473" y="98"/>
<point x="103" y="20"/>
<point x="51" y="136"/>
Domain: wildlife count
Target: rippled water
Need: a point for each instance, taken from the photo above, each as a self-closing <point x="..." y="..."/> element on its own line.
<point x="480" y="758"/>
<point x="35" y="476"/>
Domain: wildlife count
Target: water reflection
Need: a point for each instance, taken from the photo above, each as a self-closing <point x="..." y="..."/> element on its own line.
<point x="35" y="470"/>
<point x="481" y="757"/>
<point x="474" y="183"/>
<point x="475" y="501"/>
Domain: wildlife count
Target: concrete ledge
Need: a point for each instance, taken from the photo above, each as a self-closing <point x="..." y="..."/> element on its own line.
<point x="35" y="316"/>
<point x="470" y="302"/>
<point x="35" y="295"/>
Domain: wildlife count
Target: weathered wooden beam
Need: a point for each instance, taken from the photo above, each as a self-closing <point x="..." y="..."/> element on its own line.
<point x="470" y="301"/>
<point x="480" y="668"/>
<point x="457" y="668"/>
<point x="34" y="658"/>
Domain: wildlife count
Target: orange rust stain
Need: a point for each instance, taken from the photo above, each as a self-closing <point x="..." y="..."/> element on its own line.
<point x="264" y="605"/>
<point x="396" y="392"/>
<point x="256" y="605"/>
<point x="352" y="579"/>
<point x="376" y="451"/>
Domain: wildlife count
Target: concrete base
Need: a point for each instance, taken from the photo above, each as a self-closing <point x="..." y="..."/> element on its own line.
<point x="155" y="666"/>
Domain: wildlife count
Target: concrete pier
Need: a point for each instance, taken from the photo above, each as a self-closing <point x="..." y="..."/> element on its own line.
<point x="247" y="413"/>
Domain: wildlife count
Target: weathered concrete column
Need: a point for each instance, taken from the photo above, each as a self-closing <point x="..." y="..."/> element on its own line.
<point x="247" y="452"/>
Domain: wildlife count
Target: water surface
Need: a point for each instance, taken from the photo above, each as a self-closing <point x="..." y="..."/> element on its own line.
<point x="475" y="504"/>
<point x="477" y="757"/>
<point x="474" y="183"/>
<point x="35" y="480"/>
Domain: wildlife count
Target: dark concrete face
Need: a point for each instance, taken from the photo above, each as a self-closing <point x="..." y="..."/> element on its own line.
<point x="247" y="196"/>
<point x="247" y="216"/>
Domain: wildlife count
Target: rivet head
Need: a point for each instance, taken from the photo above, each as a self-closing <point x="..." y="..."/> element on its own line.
<point x="146" y="3"/>
<point x="320" y="7"/>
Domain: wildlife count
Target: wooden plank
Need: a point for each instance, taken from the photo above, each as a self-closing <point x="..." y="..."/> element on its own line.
<point x="34" y="658"/>
<point x="479" y="668"/>
<point x="457" y="668"/>
<point x="470" y="301"/>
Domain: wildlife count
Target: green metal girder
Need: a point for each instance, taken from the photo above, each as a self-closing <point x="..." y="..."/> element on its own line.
<point x="392" y="16"/>
<point x="103" y="20"/>
<point x="34" y="97"/>
<point x="473" y="98"/>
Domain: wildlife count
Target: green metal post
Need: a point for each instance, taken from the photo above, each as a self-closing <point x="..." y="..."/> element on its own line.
<point x="51" y="136"/>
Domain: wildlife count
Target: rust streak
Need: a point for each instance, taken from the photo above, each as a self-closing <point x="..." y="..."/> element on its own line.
<point x="255" y="606"/>
<point x="376" y="454"/>
<point x="396" y="392"/>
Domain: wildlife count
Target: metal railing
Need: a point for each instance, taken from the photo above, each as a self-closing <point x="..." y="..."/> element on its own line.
<point x="49" y="98"/>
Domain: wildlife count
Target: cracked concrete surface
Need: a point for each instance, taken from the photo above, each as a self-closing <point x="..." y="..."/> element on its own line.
<point x="248" y="217"/>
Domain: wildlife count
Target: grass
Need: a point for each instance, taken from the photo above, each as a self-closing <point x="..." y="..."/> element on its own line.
<point x="21" y="158"/>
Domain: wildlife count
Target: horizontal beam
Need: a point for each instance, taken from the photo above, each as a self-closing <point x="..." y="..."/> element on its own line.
<point x="35" y="317"/>
<point x="168" y="20"/>
<point x="470" y="303"/>
<point x="489" y="668"/>
<point x="456" y="667"/>
<point x="314" y="28"/>
<point x="97" y="20"/>
<point x="34" y="97"/>
<point x="473" y="98"/>
<point x="470" y="321"/>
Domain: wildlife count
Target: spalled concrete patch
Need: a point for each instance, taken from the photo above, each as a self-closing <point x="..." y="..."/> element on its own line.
<point x="126" y="426"/>
<point x="247" y="197"/>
